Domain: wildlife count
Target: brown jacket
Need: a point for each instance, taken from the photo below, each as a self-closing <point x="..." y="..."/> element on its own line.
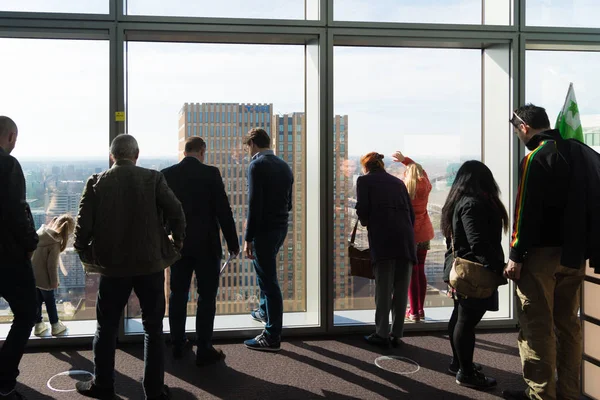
<point x="119" y="228"/>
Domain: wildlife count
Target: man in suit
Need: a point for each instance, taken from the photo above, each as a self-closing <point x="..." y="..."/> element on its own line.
<point x="120" y="234"/>
<point x="270" y="182"/>
<point x="18" y="240"/>
<point x="200" y="189"/>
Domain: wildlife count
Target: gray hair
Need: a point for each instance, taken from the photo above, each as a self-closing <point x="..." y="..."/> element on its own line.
<point x="7" y="126"/>
<point x="124" y="146"/>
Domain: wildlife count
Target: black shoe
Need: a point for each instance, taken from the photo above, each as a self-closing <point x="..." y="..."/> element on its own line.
<point x="90" y="389"/>
<point x="209" y="357"/>
<point x="179" y="349"/>
<point x="14" y="395"/>
<point x="395" y="341"/>
<point x="455" y="366"/>
<point x="475" y="380"/>
<point x="165" y="395"/>
<point x="377" y="340"/>
<point x="514" y="395"/>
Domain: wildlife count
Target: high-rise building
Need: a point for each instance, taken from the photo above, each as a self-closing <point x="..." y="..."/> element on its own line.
<point x="223" y="126"/>
<point x="289" y="143"/>
<point x="343" y="172"/>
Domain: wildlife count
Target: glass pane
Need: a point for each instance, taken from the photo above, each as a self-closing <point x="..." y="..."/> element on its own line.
<point x="263" y="9"/>
<point x="424" y="102"/>
<point x="563" y="13"/>
<point x="57" y="6"/>
<point x="548" y="76"/>
<point x="591" y="383"/>
<point x="63" y="139"/>
<point x="409" y="11"/>
<point x="220" y="92"/>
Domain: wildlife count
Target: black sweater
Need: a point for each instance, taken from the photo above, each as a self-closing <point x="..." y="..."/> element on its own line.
<point x="270" y="181"/>
<point x="477" y="230"/>
<point x="17" y="231"/>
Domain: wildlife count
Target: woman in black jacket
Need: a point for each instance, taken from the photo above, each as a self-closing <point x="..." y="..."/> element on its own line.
<point x="384" y="207"/>
<point x="473" y="217"/>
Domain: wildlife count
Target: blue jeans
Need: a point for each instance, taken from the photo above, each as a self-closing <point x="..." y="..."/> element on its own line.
<point x="265" y="247"/>
<point x="46" y="296"/>
<point x="17" y="286"/>
<point x="113" y="293"/>
<point x="207" y="284"/>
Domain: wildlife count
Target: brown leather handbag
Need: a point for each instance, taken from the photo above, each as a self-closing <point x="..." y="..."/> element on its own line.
<point x="472" y="279"/>
<point x="360" y="259"/>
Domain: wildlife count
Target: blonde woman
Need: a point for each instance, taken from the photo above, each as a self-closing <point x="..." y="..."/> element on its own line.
<point x="46" y="261"/>
<point x="418" y="186"/>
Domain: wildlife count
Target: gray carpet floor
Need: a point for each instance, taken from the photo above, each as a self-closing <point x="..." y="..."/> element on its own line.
<point x="310" y="368"/>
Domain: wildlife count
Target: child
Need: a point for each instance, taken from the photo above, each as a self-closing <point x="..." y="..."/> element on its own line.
<point x="46" y="261"/>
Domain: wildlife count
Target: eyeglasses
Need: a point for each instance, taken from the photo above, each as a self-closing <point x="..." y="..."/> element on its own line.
<point x="516" y="121"/>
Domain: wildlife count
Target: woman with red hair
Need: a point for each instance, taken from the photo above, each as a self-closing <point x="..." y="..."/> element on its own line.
<point x="384" y="207"/>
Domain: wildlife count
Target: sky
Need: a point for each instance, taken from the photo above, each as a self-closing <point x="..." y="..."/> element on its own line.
<point x="421" y="101"/>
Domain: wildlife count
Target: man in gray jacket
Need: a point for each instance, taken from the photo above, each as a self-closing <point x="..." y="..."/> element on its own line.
<point x="120" y="235"/>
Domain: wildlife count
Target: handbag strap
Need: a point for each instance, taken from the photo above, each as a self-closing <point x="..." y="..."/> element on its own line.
<point x="452" y="240"/>
<point x="354" y="232"/>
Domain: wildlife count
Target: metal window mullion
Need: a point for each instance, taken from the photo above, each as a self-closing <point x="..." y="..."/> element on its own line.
<point x="327" y="156"/>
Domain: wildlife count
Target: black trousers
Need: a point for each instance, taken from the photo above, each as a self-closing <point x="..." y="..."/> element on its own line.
<point x="461" y="330"/>
<point x="17" y="286"/>
<point x="207" y="285"/>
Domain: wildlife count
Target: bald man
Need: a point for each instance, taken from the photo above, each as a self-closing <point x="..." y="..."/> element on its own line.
<point x="18" y="240"/>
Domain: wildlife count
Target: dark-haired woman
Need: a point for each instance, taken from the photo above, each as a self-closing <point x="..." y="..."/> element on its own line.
<point x="384" y="207"/>
<point x="473" y="217"/>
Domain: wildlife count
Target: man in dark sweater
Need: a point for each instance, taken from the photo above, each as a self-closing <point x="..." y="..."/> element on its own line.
<point x="270" y="182"/>
<point x="18" y="240"/>
<point x="547" y="276"/>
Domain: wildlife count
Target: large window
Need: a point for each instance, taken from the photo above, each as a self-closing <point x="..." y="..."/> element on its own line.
<point x="57" y="91"/>
<point x="423" y="102"/>
<point x="329" y="79"/>
<point x="225" y="90"/>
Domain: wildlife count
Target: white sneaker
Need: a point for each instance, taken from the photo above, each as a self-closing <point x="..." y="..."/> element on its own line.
<point x="58" y="328"/>
<point x="40" y="328"/>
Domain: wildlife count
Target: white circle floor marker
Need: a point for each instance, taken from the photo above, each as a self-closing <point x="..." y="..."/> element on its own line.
<point x="378" y="361"/>
<point x="67" y="373"/>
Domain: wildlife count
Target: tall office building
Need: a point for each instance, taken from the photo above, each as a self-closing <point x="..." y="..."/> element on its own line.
<point x="223" y="126"/>
<point x="348" y="291"/>
<point x="289" y="143"/>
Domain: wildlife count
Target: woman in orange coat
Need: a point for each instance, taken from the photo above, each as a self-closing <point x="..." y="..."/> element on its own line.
<point x="419" y="187"/>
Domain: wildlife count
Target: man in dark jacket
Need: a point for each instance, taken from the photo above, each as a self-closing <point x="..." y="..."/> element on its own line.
<point x="120" y="234"/>
<point x="270" y="182"/>
<point x="541" y="263"/>
<point x="200" y="189"/>
<point x="18" y="240"/>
